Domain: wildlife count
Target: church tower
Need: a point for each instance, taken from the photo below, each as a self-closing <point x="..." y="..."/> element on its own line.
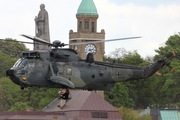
<point x="87" y="31"/>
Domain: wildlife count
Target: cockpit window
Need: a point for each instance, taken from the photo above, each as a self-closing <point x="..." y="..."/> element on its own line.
<point x="17" y="63"/>
<point x="21" y="63"/>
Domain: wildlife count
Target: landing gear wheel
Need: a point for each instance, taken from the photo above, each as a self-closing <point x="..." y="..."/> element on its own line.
<point x="22" y="88"/>
<point x="111" y="96"/>
<point x="110" y="86"/>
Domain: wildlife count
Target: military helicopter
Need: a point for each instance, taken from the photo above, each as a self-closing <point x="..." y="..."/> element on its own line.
<point x="63" y="68"/>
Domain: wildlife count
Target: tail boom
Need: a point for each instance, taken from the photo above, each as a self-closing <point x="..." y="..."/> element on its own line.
<point x="121" y="75"/>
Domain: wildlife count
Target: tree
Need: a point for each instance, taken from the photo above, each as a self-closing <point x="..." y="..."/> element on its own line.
<point x="51" y="94"/>
<point x="16" y="99"/>
<point x="6" y="62"/>
<point x="10" y="51"/>
<point x="11" y="96"/>
<point x="9" y="90"/>
<point x="12" y="48"/>
<point x="140" y="92"/>
<point x="169" y="92"/>
<point x="118" y="53"/>
<point x="130" y="114"/>
<point x="132" y="58"/>
<point x="120" y="96"/>
<point x="2" y="102"/>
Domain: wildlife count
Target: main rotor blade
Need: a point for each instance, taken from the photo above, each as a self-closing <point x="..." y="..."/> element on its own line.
<point x="99" y="41"/>
<point x="20" y="41"/>
<point x="16" y="41"/>
<point x="37" y="39"/>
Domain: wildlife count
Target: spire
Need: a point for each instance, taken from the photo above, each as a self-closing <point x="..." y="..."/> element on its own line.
<point x="87" y="7"/>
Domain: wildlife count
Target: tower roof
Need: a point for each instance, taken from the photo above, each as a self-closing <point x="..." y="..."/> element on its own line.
<point x="87" y="7"/>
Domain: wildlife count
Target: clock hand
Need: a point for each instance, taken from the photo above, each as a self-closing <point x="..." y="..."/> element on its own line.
<point x="89" y="49"/>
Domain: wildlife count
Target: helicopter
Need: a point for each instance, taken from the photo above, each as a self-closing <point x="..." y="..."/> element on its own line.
<point x="63" y="68"/>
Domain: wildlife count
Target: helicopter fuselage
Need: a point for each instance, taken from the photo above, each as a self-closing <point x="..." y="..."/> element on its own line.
<point x="63" y="68"/>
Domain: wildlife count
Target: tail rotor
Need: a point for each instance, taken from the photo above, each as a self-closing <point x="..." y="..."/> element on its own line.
<point x="168" y="64"/>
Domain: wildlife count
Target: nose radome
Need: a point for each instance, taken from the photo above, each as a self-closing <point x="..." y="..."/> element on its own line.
<point x="9" y="72"/>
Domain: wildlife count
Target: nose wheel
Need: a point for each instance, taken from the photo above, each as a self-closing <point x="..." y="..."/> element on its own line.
<point x="111" y="96"/>
<point x="22" y="87"/>
<point x="110" y="86"/>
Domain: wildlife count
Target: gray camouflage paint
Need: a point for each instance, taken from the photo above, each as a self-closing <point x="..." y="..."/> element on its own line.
<point x="65" y="69"/>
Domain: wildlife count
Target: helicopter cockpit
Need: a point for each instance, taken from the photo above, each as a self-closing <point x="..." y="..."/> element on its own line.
<point x="21" y="63"/>
<point x="19" y="66"/>
<point x="28" y="59"/>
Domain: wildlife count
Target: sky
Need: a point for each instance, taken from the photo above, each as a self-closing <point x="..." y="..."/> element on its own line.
<point x="154" y="21"/>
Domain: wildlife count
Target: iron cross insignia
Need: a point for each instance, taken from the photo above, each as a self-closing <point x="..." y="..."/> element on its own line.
<point x="119" y="75"/>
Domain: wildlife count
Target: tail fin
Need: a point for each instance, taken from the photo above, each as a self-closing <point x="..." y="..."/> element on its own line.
<point x="153" y="68"/>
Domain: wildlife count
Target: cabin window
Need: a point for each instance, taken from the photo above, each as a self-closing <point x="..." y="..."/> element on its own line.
<point x="69" y="71"/>
<point x="61" y="70"/>
<point x="31" y="65"/>
<point x="39" y="65"/>
<point x="99" y="115"/>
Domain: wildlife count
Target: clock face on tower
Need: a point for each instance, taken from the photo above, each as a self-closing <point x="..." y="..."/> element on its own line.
<point x="90" y="48"/>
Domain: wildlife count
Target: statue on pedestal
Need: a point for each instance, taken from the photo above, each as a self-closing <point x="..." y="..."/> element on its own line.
<point x="42" y="28"/>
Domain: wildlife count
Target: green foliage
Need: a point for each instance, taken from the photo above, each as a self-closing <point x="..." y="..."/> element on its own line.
<point x="129" y="114"/>
<point x="8" y="91"/>
<point x="19" y="106"/>
<point x="51" y="94"/>
<point x="145" y="117"/>
<point x="168" y="87"/>
<point x="12" y="98"/>
<point x="162" y="89"/>
<point x="2" y="102"/>
<point x="137" y="93"/>
<point x="120" y="96"/>
<point x="6" y="62"/>
<point x="16" y="99"/>
<point x="12" y="48"/>
<point x="10" y="51"/>
<point x="142" y="92"/>
<point x="132" y="58"/>
<point x="120" y="55"/>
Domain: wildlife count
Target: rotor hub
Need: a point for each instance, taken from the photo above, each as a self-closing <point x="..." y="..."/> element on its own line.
<point x="57" y="43"/>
